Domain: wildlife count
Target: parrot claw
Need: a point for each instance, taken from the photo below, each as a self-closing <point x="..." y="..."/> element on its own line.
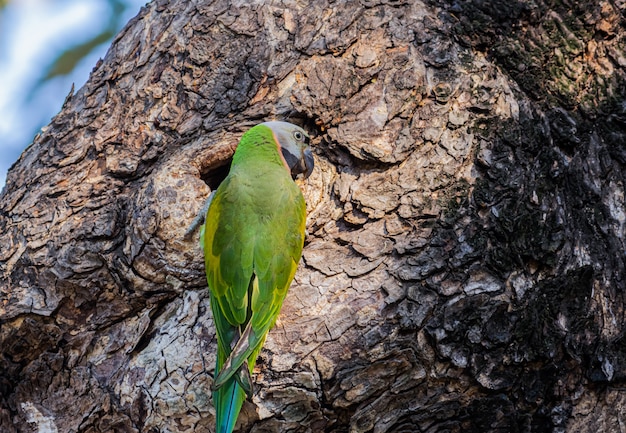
<point x="199" y="219"/>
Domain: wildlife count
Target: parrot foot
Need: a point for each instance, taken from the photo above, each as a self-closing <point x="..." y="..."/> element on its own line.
<point x="199" y="219"/>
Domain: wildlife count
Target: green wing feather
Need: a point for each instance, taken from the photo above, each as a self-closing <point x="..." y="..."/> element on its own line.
<point x="253" y="238"/>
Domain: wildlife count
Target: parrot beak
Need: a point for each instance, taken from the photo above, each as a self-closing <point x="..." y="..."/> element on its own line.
<point x="309" y="163"/>
<point x="300" y="167"/>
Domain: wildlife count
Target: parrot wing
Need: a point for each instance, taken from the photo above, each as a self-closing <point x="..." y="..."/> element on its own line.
<point x="229" y="254"/>
<point x="276" y="255"/>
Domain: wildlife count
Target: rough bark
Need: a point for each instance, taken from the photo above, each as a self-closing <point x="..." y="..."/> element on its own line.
<point x="464" y="266"/>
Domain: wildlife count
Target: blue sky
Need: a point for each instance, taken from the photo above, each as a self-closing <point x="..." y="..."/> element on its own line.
<point x="32" y="34"/>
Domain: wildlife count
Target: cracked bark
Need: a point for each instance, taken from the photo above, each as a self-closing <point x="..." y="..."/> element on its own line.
<point x="464" y="267"/>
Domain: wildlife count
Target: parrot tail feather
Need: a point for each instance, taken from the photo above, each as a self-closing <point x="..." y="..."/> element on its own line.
<point x="228" y="400"/>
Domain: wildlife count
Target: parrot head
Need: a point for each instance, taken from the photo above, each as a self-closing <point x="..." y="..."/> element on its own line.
<point x="294" y="146"/>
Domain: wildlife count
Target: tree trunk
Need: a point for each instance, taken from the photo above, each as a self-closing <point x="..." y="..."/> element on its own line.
<point x="464" y="265"/>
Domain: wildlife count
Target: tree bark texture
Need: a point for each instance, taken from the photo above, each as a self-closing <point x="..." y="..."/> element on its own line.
<point x="464" y="265"/>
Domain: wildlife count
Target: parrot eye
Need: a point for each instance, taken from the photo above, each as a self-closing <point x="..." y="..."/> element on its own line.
<point x="299" y="136"/>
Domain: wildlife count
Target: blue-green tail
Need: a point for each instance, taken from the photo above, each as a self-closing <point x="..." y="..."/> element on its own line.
<point x="228" y="400"/>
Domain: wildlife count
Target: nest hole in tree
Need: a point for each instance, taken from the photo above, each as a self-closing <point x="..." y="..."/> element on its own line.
<point x="215" y="175"/>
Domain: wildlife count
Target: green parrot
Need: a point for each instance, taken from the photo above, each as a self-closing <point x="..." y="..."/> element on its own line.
<point x="252" y="239"/>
